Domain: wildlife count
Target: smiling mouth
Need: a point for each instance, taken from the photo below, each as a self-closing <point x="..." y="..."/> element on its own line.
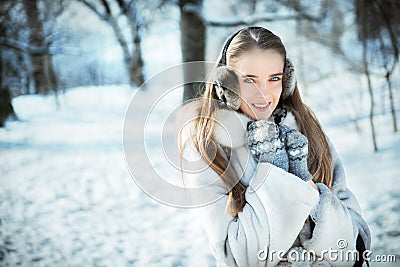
<point x="261" y="106"/>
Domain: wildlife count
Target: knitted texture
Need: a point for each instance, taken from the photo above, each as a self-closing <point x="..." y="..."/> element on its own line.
<point x="280" y="145"/>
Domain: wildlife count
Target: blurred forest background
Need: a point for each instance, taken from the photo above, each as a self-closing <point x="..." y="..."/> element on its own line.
<point x="68" y="69"/>
<point x="48" y="46"/>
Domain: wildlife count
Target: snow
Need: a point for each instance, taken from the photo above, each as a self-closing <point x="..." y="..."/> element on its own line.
<point x="67" y="197"/>
<point x="373" y="177"/>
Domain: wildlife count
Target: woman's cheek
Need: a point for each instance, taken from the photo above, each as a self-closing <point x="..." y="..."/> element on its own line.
<point x="244" y="92"/>
<point x="278" y="89"/>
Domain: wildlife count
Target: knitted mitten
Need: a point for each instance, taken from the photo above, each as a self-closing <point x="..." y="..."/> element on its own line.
<point x="297" y="150"/>
<point x="263" y="139"/>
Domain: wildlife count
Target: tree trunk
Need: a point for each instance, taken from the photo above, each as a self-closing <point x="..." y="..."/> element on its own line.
<point x="193" y="40"/>
<point x="136" y="65"/>
<point x="137" y="60"/>
<point x="393" y="110"/>
<point x="125" y="50"/>
<point x="50" y="74"/>
<point x="41" y="63"/>
<point x="371" y="95"/>
<point x="6" y="108"/>
<point x="1" y="68"/>
<point x="133" y="61"/>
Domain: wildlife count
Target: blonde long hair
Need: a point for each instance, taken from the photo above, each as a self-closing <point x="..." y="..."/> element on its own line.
<point x="319" y="159"/>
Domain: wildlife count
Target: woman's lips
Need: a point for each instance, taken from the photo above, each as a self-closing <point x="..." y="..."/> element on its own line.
<point x="261" y="106"/>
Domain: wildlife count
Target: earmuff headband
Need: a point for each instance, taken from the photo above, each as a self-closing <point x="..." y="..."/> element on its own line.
<point x="229" y="40"/>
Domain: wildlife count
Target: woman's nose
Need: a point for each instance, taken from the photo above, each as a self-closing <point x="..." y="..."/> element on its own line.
<point x="263" y="90"/>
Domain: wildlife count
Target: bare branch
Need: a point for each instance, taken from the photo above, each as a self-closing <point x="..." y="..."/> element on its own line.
<point x="35" y="50"/>
<point x="252" y="19"/>
<point x="23" y="47"/>
<point x="107" y="7"/>
<point x="129" y="11"/>
<point x="123" y="6"/>
<point x="259" y="18"/>
<point x="94" y="9"/>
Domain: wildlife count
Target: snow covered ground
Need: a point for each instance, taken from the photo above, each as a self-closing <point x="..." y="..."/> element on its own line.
<point x="67" y="198"/>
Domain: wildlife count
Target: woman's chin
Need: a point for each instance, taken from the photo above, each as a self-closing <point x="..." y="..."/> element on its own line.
<point x="258" y="115"/>
<point x="261" y="116"/>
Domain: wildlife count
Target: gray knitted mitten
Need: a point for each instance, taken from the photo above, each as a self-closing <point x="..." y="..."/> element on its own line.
<point x="297" y="151"/>
<point x="282" y="146"/>
<point x="263" y="140"/>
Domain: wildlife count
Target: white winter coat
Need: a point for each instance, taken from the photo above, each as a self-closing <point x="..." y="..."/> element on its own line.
<point x="277" y="205"/>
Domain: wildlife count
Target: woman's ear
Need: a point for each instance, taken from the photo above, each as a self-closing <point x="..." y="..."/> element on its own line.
<point x="289" y="79"/>
<point x="227" y="87"/>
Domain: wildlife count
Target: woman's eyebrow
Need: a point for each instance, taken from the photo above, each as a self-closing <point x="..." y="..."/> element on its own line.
<point x="276" y="74"/>
<point x="255" y="76"/>
<point x="249" y="75"/>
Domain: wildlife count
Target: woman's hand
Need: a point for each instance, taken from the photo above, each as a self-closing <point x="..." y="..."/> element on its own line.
<point x="297" y="150"/>
<point x="262" y="137"/>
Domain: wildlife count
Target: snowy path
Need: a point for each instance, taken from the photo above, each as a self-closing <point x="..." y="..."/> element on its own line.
<point x="67" y="199"/>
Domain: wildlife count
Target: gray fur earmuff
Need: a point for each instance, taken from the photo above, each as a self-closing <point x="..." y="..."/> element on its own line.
<point x="288" y="79"/>
<point x="227" y="87"/>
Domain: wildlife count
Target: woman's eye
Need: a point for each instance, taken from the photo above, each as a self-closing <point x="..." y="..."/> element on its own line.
<point x="275" y="79"/>
<point x="249" y="80"/>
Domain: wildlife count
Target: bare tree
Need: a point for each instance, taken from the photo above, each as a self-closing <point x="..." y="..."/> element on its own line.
<point x="371" y="94"/>
<point x="390" y="22"/>
<point x="375" y="21"/>
<point x="6" y="108"/>
<point x="193" y="40"/>
<point x="127" y="9"/>
<point x="392" y="108"/>
<point x="365" y="31"/>
<point x="384" y="54"/>
<point x="26" y="49"/>
<point x="13" y="68"/>
<point x="42" y="72"/>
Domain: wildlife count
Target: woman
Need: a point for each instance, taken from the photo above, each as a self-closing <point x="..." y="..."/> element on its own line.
<point x="255" y="212"/>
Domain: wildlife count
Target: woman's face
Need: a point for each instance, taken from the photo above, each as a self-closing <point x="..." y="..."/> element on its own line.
<point x="260" y="74"/>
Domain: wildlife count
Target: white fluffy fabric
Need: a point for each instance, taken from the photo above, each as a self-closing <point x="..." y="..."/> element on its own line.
<point x="230" y="128"/>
